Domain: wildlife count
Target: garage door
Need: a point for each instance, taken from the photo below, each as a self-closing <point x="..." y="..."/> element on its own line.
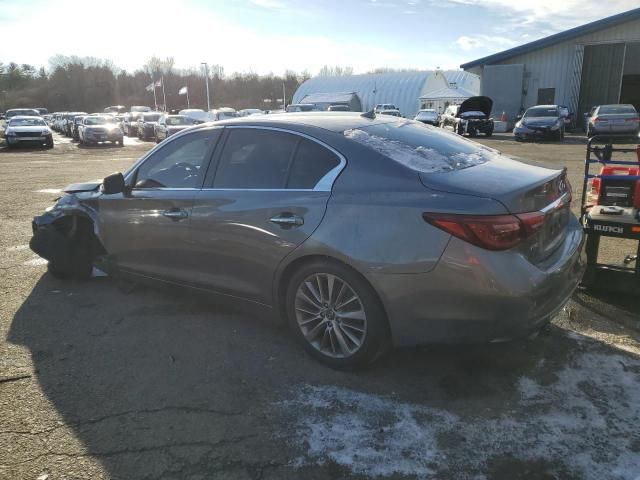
<point x="601" y="76"/>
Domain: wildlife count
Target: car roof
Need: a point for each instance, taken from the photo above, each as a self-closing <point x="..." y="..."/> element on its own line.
<point x="332" y="121"/>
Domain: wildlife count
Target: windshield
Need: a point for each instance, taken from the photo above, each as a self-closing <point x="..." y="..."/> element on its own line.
<point x="428" y="113"/>
<point x="224" y="115"/>
<point x="179" y="121"/>
<point x="152" y="118"/>
<point x="15" y="113"/>
<point x="26" y="122"/>
<point x="541" y="112"/>
<point x="613" y="109"/>
<point x="421" y="149"/>
<point x="98" y="120"/>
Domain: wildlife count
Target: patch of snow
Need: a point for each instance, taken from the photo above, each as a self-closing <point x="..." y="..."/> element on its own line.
<point x="49" y="190"/>
<point x="18" y="248"/>
<point x="585" y="422"/>
<point x="421" y="158"/>
<point x="35" y="262"/>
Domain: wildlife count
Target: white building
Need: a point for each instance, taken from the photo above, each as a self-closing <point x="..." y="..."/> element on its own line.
<point x="597" y="63"/>
<point x="403" y="89"/>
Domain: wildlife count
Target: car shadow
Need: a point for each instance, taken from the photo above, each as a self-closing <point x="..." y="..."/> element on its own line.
<point x="159" y="382"/>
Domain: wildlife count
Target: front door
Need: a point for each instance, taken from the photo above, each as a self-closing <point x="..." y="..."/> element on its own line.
<point x="267" y="195"/>
<point x="146" y="230"/>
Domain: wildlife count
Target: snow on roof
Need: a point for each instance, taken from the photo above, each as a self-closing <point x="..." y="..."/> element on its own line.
<point x="448" y="92"/>
<point x="328" y="97"/>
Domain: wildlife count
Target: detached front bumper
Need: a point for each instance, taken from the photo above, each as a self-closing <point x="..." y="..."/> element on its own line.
<point x="477" y="296"/>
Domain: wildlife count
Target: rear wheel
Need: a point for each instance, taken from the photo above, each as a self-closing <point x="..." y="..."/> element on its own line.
<point x="336" y="315"/>
<point x="121" y="142"/>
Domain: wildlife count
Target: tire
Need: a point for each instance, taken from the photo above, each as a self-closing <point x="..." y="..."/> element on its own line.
<point x="129" y="132"/>
<point x="157" y="139"/>
<point x="121" y="142"/>
<point x="374" y="337"/>
<point x="459" y="130"/>
<point x="558" y="136"/>
<point x="50" y="143"/>
<point x="489" y="133"/>
<point x="81" y="267"/>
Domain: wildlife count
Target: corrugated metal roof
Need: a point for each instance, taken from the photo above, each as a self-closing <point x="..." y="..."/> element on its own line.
<point x="557" y="38"/>
<point x="448" y="93"/>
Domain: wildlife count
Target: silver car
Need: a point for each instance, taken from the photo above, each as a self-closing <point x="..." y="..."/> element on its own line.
<point x="613" y="120"/>
<point x="361" y="232"/>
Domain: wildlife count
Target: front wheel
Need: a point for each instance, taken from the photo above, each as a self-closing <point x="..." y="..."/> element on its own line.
<point x="336" y="315"/>
<point x="121" y="142"/>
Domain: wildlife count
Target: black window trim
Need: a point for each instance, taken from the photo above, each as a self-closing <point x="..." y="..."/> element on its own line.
<point x="325" y="184"/>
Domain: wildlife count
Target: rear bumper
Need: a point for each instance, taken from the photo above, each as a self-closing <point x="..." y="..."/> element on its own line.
<point x="476" y="296"/>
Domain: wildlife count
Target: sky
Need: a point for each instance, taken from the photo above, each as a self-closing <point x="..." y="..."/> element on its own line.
<point x="264" y="36"/>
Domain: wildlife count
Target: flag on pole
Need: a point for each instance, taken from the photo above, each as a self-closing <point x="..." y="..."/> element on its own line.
<point x="183" y="91"/>
<point x="159" y="83"/>
<point x="150" y="87"/>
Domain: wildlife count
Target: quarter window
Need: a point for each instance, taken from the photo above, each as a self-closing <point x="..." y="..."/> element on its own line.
<point x="312" y="162"/>
<point x="179" y="164"/>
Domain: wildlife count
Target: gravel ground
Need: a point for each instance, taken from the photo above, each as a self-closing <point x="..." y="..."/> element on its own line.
<point x="100" y="383"/>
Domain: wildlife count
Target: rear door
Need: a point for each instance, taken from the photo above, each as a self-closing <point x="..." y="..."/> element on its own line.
<point x="267" y="194"/>
<point x="146" y="230"/>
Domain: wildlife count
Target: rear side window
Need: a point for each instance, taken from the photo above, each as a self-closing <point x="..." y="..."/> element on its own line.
<point x="255" y="159"/>
<point x="312" y="162"/>
<point x="422" y="149"/>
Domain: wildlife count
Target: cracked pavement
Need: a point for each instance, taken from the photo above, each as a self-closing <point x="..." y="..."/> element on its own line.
<point x="99" y="382"/>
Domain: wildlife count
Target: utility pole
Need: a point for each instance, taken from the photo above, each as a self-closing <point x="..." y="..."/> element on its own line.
<point x="206" y="69"/>
<point x="284" y="97"/>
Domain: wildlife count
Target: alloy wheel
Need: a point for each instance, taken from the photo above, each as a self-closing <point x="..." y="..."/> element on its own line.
<point x="330" y="315"/>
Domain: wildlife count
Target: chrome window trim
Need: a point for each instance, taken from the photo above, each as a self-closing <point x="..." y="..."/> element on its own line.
<point x="325" y="184"/>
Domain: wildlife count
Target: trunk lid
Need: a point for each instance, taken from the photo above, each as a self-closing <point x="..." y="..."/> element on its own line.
<point x="521" y="188"/>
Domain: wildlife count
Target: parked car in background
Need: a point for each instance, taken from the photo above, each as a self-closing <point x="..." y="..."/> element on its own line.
<point x="77" y="121"/>
<point x="197" y="114"/>
<point x="171" y="124"/>
<point x="42" y="111"/>
<point x="428" y="116"/>
<point x="301" y="107"/>
<point x="449" y="116"/>
<point x="224" y="113"/>
<point x="130" y="123"/>
<point x="116" y="109"/>
<point x="250" y="111"/>
<point x="613" y="120"/>
<point x="474" y="117"/>
<point x="32" y="130"/>
<point x="540" y="121"/>
<point x="493" y="256"/>
<point x="98" y="129"/>
<point x="393" y="113"/>
<point x="140" y="108"/>
<point x="146" y="125"/>
<point x="338" y="108"/>
<point x="68" y="123"/>
<point x="569" y="118"/>
<point x="386" y="107"/>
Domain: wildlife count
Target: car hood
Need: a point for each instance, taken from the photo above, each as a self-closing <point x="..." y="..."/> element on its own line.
<point x="29" y="128"/>
<point x="91" y="186"/>
<point x="540" y="121"/>
<point x="476" y="104"/>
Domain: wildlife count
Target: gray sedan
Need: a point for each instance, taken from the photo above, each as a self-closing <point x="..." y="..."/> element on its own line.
<point x="361" y="231"/>
<point x="613" y="120"/>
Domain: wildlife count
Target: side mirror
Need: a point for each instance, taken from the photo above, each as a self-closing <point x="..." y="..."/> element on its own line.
<point x="519" y="117"/>
<point x="113" y="183"/>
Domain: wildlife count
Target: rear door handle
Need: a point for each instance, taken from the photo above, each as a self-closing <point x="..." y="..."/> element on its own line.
<point x="176" y="213"/>
<point x="287" y="220"/>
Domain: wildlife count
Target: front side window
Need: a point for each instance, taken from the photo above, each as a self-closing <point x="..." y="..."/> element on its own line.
<point x="181" y="163"/>
<point x="255" y="159"/>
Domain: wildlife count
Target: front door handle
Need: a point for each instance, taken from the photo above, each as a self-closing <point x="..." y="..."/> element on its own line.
<point x="176" y="213"/>
<point x="287" y="220"/>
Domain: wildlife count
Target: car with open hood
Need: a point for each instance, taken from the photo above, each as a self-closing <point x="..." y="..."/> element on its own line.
<point x="541" y="121"/>
<point x="473" y="117"/>
<point x="32" y="130"/>
<point x="359" y="230"/>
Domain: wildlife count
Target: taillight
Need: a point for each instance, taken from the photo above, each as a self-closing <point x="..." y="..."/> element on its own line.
<point x="598" y="119"/>
<point x="492" y="232"/>
<point x="634" y="120"/>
